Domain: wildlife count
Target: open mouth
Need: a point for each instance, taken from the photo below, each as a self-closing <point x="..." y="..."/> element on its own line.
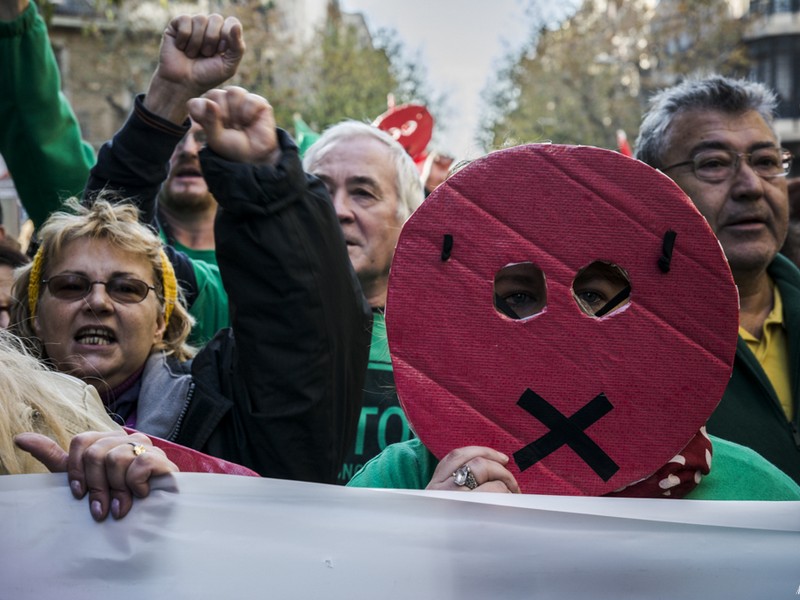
<point x="95" y="336"/>
<point x="188" y="171"/>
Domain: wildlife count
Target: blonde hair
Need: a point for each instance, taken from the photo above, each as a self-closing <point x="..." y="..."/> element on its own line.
<point x="39" y="400"/>
<point x="118" y="223"/>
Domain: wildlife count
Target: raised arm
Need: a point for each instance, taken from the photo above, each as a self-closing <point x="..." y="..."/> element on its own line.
<point x="40" y="139"/>
<point x="197" y="53"/>
<point x="300" y="322"/>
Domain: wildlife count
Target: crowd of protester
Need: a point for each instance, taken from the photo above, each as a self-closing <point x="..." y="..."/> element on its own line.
<point x="208" y="299"/>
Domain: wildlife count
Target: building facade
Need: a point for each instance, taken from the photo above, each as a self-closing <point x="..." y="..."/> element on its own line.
<point x="774" y="43"/>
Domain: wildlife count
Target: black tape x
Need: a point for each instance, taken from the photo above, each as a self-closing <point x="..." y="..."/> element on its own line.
<point x="566" y="431"/>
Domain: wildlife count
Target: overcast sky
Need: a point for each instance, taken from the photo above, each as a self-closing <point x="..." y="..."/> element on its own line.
<point x="460" y="42"/>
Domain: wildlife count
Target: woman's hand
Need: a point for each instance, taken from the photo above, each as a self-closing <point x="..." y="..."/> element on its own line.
<point x="482" y="470"/>
<point x="111" y="466"/>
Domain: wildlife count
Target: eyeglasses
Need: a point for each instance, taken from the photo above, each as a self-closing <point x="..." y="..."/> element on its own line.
<point x="719" y="165"/>
<point x="74" y="287"/>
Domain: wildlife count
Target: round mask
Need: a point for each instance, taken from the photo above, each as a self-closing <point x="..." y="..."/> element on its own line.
<point x="584" y="401"/>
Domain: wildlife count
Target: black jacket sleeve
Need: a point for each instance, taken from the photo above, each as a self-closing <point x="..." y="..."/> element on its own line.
<point x="133" y="165"/>
<point x="300" y="321"/>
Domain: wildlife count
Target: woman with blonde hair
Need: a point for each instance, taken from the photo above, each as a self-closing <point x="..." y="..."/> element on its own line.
<point x="100" y="232"/>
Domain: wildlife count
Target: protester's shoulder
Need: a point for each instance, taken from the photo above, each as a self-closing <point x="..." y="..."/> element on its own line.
<point x="405" y="465"/>
<point x="740" y="473"/>
<point x="785" y="271"/>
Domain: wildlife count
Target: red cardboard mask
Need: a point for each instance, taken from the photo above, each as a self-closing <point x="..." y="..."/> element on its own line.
<point x="583" y="404"/>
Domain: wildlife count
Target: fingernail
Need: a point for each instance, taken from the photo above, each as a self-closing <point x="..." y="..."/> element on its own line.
<point x="96" y="509"/>
<point x="115" y="508"/>
<point x="77" y="488"/>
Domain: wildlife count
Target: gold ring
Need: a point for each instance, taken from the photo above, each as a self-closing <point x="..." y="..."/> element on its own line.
<point x="138" y="449"/>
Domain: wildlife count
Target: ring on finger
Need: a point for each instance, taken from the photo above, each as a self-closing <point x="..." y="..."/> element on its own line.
<point x="463" y="476"/>
<point x="138" y="449"/>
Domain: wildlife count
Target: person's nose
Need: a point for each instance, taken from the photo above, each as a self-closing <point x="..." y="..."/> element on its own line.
<point x="343" y="206"/>
<point x="5" y="318"/>
<point x="747" y="184"/>
<point x="189" y="145"/>
<point x="98" y="299"/>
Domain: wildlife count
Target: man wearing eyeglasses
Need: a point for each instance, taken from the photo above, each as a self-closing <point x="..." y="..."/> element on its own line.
<point x="715" y="138"/>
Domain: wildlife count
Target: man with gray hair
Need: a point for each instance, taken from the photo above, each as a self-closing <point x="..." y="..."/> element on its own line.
<point x="375" y="187"/>
<point x="715" y="138"/>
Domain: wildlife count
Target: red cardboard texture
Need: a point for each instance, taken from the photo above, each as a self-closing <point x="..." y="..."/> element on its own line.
<point x="662" y="361"/>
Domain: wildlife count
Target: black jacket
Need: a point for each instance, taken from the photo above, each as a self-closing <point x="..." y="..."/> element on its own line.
<point x="280" y="391"/>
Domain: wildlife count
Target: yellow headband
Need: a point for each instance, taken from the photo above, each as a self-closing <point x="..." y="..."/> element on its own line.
<point x="170" y="284"/>
<point x="35" y="280"/>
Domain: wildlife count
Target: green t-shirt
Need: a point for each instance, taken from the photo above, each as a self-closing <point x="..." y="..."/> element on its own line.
<point x="210" y="308"/>
<point x="382" y="421"/>
<point x="209" y="256"/>
<point x="737" y="473"/>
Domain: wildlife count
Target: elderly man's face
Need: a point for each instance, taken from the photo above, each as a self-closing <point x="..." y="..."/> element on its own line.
<point x="362" y="181"/>
<point x="749" y="214"/>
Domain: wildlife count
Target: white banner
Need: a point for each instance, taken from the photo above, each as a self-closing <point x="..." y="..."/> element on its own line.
<point x="227" y="537"/>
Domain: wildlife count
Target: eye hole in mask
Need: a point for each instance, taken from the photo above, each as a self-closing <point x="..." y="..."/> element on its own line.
<point x="601" y="289"/>
<point x="520" y="291"/>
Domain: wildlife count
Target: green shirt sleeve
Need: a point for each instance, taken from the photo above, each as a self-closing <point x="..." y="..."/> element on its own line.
<point x="40" y="139"/>
<point x="739" y="473"/>
<point x="406" y="466"/>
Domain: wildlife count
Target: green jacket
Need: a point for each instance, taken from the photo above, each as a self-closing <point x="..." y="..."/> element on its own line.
<point x="40" y="138"/>
<point x="737" y="473"/>
<point x="40" y="141"/>
<point x="750" y="413"/>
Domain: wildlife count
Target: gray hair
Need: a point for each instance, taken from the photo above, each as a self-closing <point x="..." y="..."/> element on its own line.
<point x="718" y="93"/>
<point x="409" y="187"/>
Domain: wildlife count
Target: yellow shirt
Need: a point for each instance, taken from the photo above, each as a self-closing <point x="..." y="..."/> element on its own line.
<point x="773" y="354"/>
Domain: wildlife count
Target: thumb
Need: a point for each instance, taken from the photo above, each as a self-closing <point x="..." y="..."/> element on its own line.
<point x="43" y="449"/>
